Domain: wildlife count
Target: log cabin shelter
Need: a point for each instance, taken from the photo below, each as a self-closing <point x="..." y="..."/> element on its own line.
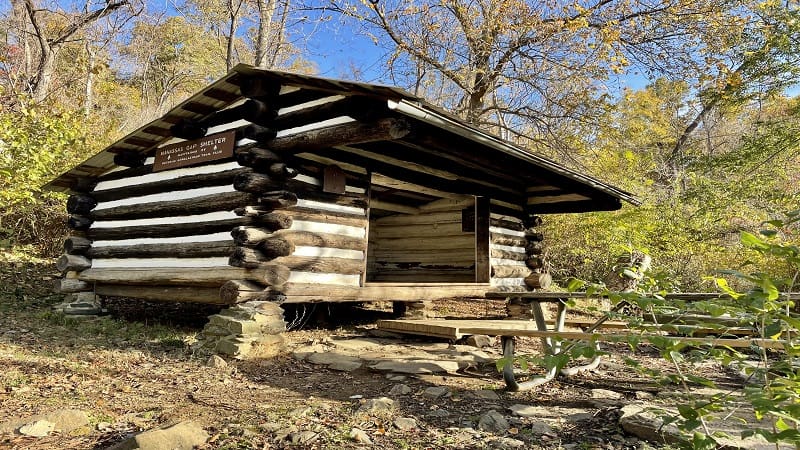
<point x="277" y="186"/>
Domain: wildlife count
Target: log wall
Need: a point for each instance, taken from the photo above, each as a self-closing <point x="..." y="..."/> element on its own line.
<point x="424" y="247"/>
<point x="516" y="251"/>
<point x="254" y="218"/>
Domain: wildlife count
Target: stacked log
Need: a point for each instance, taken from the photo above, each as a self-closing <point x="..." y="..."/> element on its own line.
<point x="507" y="251"/>
<point x="76" y="247"/>
<point x="534" y="250"/>
<point x="166" y="235"/>
<point x="323" y="244"/>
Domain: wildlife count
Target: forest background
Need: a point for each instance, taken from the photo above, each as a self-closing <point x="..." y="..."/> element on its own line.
<point x="706" y="137"/>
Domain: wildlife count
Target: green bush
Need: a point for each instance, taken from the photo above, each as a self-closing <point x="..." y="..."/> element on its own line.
<point x="37" y="143"/>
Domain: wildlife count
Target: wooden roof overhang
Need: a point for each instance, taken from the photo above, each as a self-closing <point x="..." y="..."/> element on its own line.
<point x="441" y="152"/>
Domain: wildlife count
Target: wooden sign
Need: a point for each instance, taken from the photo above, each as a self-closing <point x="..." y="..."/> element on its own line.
<point x="182" y="154"/>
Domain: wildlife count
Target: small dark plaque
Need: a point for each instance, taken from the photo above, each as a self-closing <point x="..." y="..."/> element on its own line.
<point x="182" y="154"/>
<point x="468" y="220"/>
<point x="334" y="180"/>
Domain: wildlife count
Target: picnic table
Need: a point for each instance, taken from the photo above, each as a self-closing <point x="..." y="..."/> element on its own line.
<point x="554" y="337"/>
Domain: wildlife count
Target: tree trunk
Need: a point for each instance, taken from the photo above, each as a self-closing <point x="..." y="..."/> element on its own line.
<point x="266" y="9"/>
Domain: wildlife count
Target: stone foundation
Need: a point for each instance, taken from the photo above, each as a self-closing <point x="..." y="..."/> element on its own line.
<point x="247" y="329"/>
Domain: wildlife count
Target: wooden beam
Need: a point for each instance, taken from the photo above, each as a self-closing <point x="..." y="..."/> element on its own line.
<point x="195" y="276"/>
<point x="221" y="178"/>
<point x="300" y="293"/>
<point x="407" y="173"/>
<point x="177" y="250"/>
<point x="482" y="238"/>
<point x="561" y="198"/>
<point x="344" y="134"/>
<point x="226" y="201"/>
<point x="394" y="207"/>
<point x="357" y="107"/>
<point x="193" y="294"/>
<point x="272" y="221"/>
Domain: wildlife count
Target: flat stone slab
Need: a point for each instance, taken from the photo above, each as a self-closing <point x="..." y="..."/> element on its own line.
<point x="336" y="361"/>
<point x="550" y="413"/>
<point x="63" y="420"/>
<point x="645" y="423"/>
<point x="416" y="366"/>
<point x="181" y="436"/>
<point x="356" y="344"/>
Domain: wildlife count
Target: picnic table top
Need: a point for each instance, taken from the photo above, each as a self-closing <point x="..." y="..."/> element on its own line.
<point x="555" y="296"/>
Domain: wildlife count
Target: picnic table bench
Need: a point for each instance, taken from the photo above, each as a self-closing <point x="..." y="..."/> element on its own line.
<point x="552" y="332"/>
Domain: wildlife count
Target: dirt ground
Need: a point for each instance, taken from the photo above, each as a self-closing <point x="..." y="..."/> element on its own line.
<point x="134" y="370"/>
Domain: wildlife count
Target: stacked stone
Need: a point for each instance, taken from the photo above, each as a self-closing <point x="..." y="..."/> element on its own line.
<point x="244" y="330"/>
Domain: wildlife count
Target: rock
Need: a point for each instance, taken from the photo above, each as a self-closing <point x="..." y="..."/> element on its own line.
<point x="439" y="413"/>
<point x="308" y="350"/>
<point x="283" y="433"/>
<point x="541" y="428"/>
<point x="396" y="377"/>
<point x="39" y="428"/>
<point x="64" y="420"/>
<point x="549" y="412"/>
<point x="644" y="424"/>
<point x="68" y="420"/>
<point x="642" y="395"/>
<point x="302" y="437"/>
<point x="416" y="366"/>
<point x="485" y="394"/>
<point x="216" y="362"/>
<point x="400" y="389"/>
<point x="335" y="361"/>
<point x="435" y="392"/>
<point x="603" y="398"/>
<point x="377" y="405"/>
<point x="606" y="394"/>
<point x="405" y="423"/>
<point x="479" y="340"/>
<point x="181" y="436"/>
<point x="302" y="411"/>
<point x="360" y="436"/>
<point x="506" y="443"/>
<point x="493" y="422"/>
<point x="356" y="345"/>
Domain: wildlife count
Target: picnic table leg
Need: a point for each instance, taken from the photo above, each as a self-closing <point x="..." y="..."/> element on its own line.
<point x="508" y="343"/>
<point x="541" y="324"/>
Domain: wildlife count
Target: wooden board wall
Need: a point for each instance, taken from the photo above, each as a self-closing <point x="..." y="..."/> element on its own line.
<point x="424" y="247"/>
